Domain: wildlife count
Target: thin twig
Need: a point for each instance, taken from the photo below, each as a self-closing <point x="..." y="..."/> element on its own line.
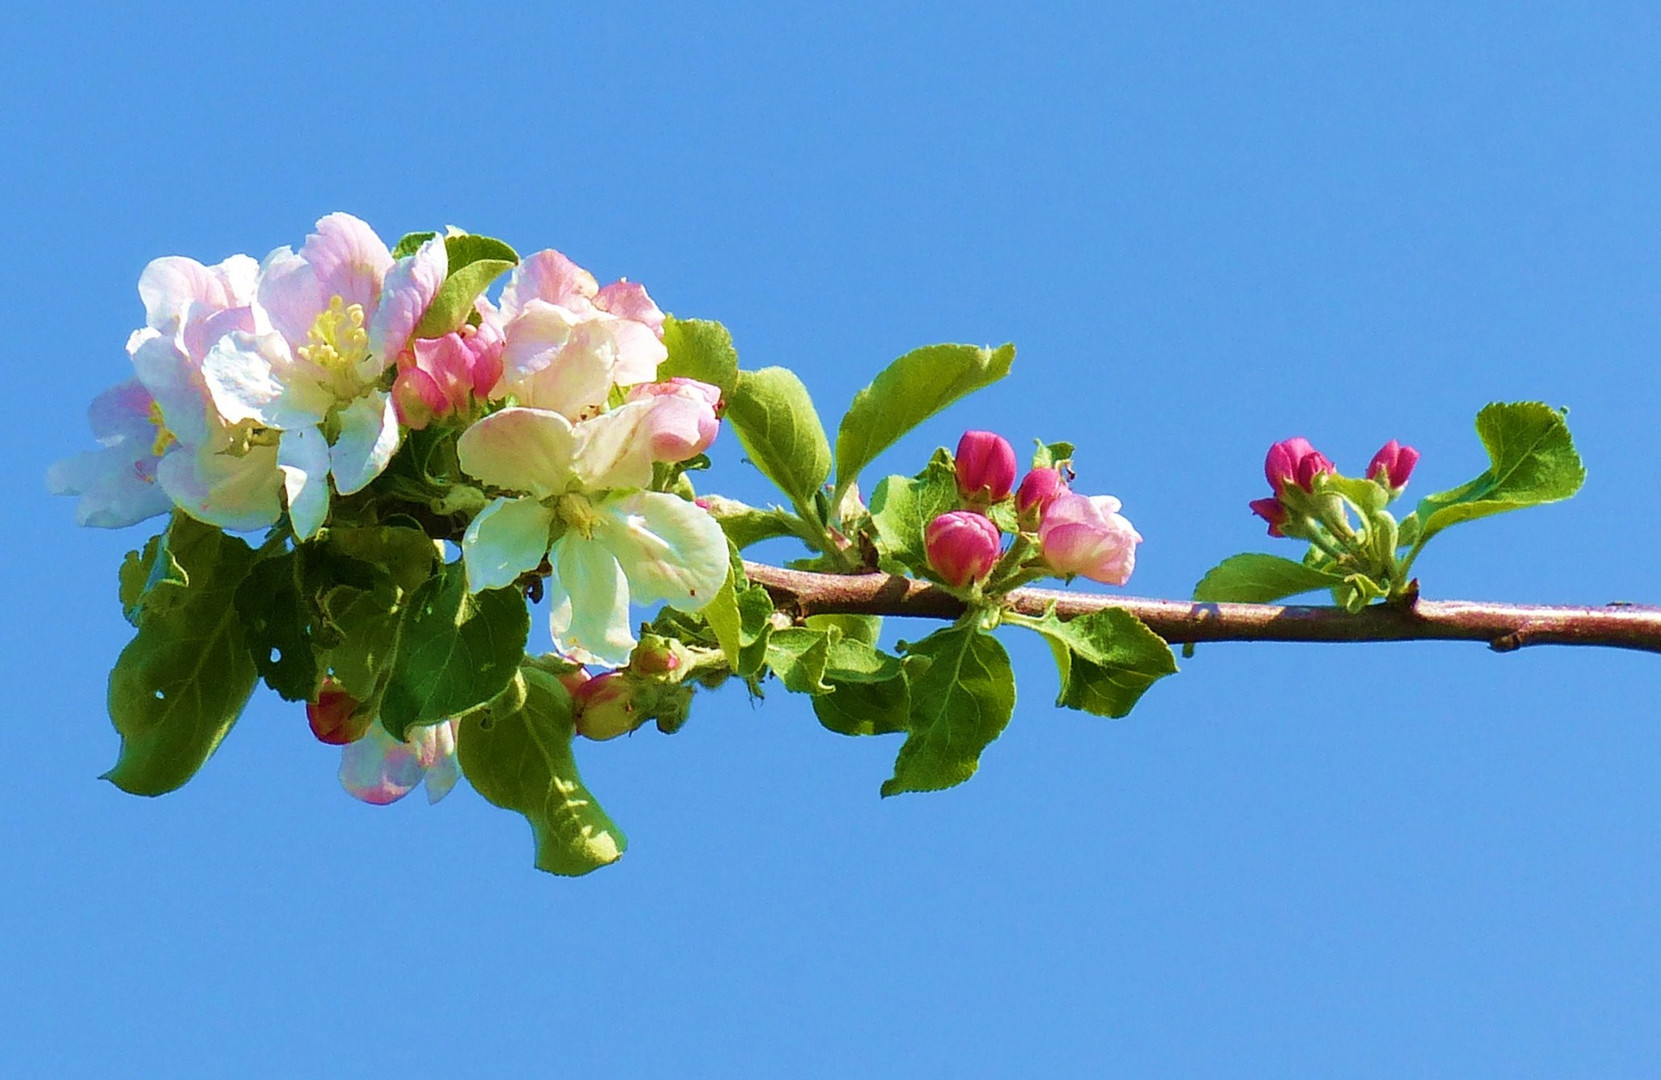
<point x="1505" y="627"/>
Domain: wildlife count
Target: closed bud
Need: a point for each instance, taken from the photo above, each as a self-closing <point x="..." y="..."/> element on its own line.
<point x="657" y="656"/>
<point x="1272" y="511"/>
<point x="1294" y="461"/>
<point x="985" y="466"/>
<point x="1038" y="490"/>
<point x="335" y="716"/>
<point x="603" y="707"/>
<point x="962" y="547"/>
<point x="683" y="421"/>
<point x="1392" y="465"/>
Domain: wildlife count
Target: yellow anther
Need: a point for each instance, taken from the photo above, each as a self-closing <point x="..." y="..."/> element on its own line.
<point x="164" y="438"/>
<point x="337" y="340"/>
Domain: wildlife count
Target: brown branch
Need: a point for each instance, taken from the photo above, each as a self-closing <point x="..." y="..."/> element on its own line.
<point x="1505" y="627"/>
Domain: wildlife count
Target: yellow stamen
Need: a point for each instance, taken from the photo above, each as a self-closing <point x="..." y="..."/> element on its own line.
<point x="164" y="438"/>
<point x="337" y="340"/>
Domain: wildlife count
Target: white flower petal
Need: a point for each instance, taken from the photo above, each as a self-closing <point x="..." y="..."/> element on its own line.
<point x="445" y="769"/>
<point x="368" y="438"/>
<point x="237" y="493"/>
<point x="254" y="377"/>
<point x="410" y="287"/>
<point x="117" y="486"/>
<point x="289" y="294"/>
<point x="552" y="278"/>
<point x="303" y="457"/>
<point x="637" y="352"/>
<point x="349" y="260"/>
<point x="614" y="449"/>
<point x="172" y="285"/>
<point x="590" y="600"/>
<point x="175" y="383"/>
<point x="507" y="538"/>
<point x="519" y="450"/>
<point x="670" y="549"/>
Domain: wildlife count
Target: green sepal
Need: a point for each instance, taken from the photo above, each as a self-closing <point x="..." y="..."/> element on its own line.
<point x="277" y="621"/>
<point x="1107" y="659"/>
<point x="517" y="754"/>
<point x="901" y="509"/>
<point x="455" y="650"/>
<point x="775" y="421"/>
<point x="1260" y="579"/>
<point x="699" y="349"/>
<point x="1532" y="460"/>
<point x="907" y="392"/>
<point x="960" y="702"/>
<point x="475" y="261"/>
<point x="183" y="680"/>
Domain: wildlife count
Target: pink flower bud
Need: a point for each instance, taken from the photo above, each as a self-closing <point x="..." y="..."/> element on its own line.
<point x="1272" y="511"/>
<point x="1393" y="464"/>
<point x="1086" y="535"/>
<point x="1294" y="461"/>
<point x="683" y="421"/>
<point x="1038" y="490"/>
<point x="985" y="466"/>
<point x="962" y="546"/>
<point x="334" y="717"/>
<point x="603" y="707"/>
<point x="441" y="376"/>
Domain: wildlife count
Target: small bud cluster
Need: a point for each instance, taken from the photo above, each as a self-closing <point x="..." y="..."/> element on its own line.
<point x="1058" y="532"/>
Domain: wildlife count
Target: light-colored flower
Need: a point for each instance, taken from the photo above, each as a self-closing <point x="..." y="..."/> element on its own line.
<point x="617" y="544"/>
<point x="117" y="482"/>
<point x="683" y="421"/>
<point x="379" y="769"/>
<point x="337" y="314"/>
<point x="1086" y="535"/>
<point x="568" y="341"/>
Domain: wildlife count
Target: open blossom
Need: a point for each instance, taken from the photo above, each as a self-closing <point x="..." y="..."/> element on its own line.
<point x="340" y="311"/>
<point x="117" y="482"/>
<point x="617" y="545"/>
<point x="379" y="769"/>
<point x="1086" y="535"/>
<point x="567" y="341"/>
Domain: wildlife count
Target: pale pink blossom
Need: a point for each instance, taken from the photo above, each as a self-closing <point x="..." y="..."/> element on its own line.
<point x="1085" y="535"/>
<point x="379" y="769"/>
<point x="682" y="422"/>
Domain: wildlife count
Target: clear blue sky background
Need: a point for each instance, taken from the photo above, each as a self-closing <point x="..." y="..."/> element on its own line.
<point x="1206" y="227"/>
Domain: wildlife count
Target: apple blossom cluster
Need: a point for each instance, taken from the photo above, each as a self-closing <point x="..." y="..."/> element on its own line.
<point x="1059" y="532"/>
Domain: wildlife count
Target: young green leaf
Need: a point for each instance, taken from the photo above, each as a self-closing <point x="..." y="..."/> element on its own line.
<point x="455" y="650"/>
<point x="1107" y="659"/>
<point x="475" y="261"/>
<point x="1260" y="579"/>
<point x="797" y="656"/>
<point x="1532" y="460"/>
<point x="1051" y="455"/>
<point x="411" y="243"/>
<point x="775" y="421"/>
<point x="517" y="754"/>
<point x="863" y="629"/>
<point x="699" y="349"/>
<point x="907" y="392"/>
<point x="150" y="578"/>
<point x="182" y="681"/>
<point x="959" y="704"/>
<point x="901" y="510"/>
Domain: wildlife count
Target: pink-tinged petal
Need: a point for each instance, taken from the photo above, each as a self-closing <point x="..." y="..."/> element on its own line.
<point x="682" y="423"/>
<point x="534" y="338"/>
<point x="237" y="493"/>
<point x="409" y="289"/>
<point x="201" y="333"/>
<point x="254" y="377"/>
<point x="508" y="538"/>
<point x="368" y="438"/>
<point x="628" y="300"/>
<point x="171" y="286"/>
<point x="669" y="549"/>
<point x="122" y="413"/>
<point x="551" y="277"/>
<point x="589" y="603"/>
<point x="417" y="398"/>
<point x="614" y="450"/>
<point x="1087" y="536"/>
<point x="239" y="276"/>
<point x="486" y="344"/>
<point x="289" y="294"/>
<point x="442" y="776"/>
<point x="348" y="259"/>
<point x="116" y="483"/>
<point x="520" y="450"/>
<point x="378" y="768"/>
<point x="176" y="384"/>
<point x="636" y="351"/>
<point x="303" y="457"/>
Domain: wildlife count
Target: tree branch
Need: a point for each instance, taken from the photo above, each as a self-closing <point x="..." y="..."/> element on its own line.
<point x="1505" y="627"/>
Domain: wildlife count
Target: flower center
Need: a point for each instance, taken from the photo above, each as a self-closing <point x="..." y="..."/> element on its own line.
<point x="578" y="514"/>
<point x="337" y="341"/>
<point x="164" y="437"/>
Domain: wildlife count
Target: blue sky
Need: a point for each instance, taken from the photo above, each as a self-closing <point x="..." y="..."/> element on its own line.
<point x="1206" y="227"/>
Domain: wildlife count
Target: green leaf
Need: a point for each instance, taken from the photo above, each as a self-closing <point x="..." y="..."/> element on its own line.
<point x="1051" y="455"/>
<point x="1107" y="659"/>
<point x="745" y="524"/>
<point x="277" y="624"/>
<point x="517" y="754"/>
<point x="857" y="628"/>
<point x="411" y="243"/>
<point x="901" y="510"/>
<point x="1260" y="579"/>
<point x="1532" y="460"/>
<point x="455" y="650"/>
<point x="755" y="610"/>
<point x="776" y="423"/>
<point x="699" y="349"/>
<point x="150" y="578"/>
<point x="907" y="392"/>
<point x="182" y="681"/>
<point x="475" y="261"/>
<point x="797" y="656"/>
<point x="865" y="708"/>
<point x="959" y="704"/>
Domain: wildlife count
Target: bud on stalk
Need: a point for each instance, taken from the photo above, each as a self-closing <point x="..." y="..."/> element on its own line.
<point x="962" y="547"/>
<point x="985" y="467"/>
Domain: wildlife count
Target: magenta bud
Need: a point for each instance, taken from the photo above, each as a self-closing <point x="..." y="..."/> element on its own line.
<point x="335" y="716"/>
<point x="985" y="466"/>
<point x="1294" y="461"/>
<point x="962" y="546"/>
<point x="1272" y="511"/>
<point x="1393" y="464"/>
<point x="1038" y="490"/>
<point x="603" y="707"/>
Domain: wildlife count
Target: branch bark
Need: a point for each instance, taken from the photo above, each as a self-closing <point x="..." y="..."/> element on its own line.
<point x="1505" y="627"/>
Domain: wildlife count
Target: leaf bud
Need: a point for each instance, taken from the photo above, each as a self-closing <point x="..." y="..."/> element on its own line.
<point x="962" y="546"/>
